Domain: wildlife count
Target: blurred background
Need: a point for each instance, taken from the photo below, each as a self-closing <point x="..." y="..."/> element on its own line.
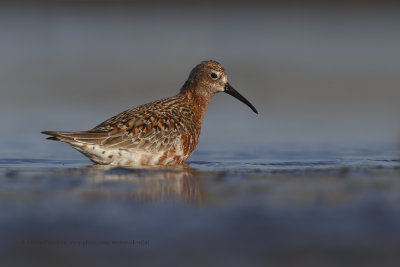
<point x="318" y="72"/>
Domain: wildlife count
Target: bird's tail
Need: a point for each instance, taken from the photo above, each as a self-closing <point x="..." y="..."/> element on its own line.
<point x="69" y="137"/>
<point x="57" y="136"/>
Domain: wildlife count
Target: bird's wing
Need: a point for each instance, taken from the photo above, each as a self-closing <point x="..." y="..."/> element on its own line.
<point x="153" y="126"/>
<point x="146" y="132"/>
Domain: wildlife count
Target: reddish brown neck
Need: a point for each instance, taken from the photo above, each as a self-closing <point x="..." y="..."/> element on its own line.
<point x="197" y="101"/>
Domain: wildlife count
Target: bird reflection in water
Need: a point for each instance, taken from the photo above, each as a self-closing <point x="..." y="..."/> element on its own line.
<point x="178" y="183"/>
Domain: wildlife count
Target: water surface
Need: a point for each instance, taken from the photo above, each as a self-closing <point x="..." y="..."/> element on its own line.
<point x="268" y="204"/>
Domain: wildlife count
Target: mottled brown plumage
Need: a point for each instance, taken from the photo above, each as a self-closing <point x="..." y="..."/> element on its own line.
<point x="163" y="132"/>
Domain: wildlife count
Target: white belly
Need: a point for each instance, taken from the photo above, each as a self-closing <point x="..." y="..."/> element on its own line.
<point x="130" y="157"/>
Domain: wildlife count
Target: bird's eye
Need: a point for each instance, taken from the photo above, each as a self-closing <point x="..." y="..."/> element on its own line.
<point x="214" y="75"/>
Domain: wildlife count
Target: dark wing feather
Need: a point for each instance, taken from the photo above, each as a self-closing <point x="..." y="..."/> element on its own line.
<point x="87" y="137"/>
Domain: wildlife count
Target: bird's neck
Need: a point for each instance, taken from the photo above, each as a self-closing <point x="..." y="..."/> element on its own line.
<point x="198" y="103"/>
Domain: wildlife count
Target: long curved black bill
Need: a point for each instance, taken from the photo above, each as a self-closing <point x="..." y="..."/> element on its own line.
<point x="229" y="90"/>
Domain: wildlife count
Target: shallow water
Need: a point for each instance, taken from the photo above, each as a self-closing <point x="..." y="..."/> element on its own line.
<point x="278" y="206"/>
